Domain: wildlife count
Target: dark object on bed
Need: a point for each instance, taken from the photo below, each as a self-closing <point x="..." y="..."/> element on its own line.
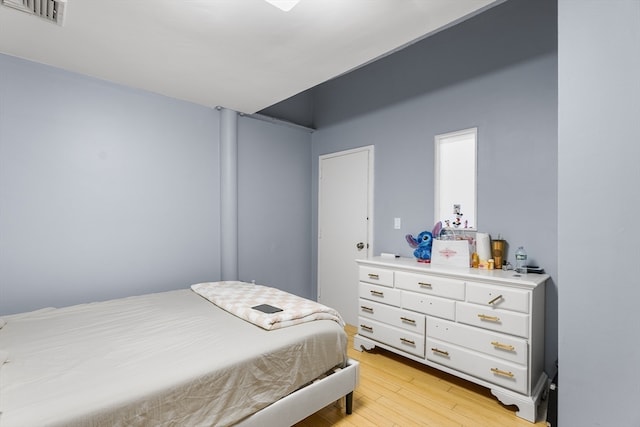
<point x="266" y="308"/>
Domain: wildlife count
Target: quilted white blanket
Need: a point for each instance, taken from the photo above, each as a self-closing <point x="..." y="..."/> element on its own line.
<point x="238" y="298"/>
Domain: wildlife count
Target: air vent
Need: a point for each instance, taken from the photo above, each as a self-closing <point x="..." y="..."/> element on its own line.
<point x="51" y="10"/>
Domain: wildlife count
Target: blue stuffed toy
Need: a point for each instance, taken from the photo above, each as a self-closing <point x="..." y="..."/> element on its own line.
<point x="422" y="243"/>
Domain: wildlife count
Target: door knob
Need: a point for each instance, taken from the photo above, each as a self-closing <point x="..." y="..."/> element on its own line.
<point x="360" y="246"/>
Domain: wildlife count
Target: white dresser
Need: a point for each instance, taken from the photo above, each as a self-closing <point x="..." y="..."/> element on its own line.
<point x="486" y="326"/>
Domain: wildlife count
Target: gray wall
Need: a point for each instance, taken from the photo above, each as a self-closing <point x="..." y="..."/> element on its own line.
<point x="497" y="71"/>
<point x="274" y="205"/>
<point x="106" y="191"/>
<point x="598" y="152"/>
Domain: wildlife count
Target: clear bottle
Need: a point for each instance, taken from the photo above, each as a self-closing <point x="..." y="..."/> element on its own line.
<point x="521" y="260"/>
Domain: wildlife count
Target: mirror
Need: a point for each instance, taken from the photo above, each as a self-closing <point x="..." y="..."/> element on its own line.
<point x="455" y="179"/>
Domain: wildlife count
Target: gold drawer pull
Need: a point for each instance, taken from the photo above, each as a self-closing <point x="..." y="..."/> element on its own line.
<point x="406" y="341"/>
<point x="442" y="352"/>
<point x="377" y="293"/>
<point x="499" y="297"/>
<point x="406" y="319"/>
<point x="373" y="276"/>
<point x="501" y="372"/>
<point x="425" y="285"/>
<point x="367" y="309"/>
<point x="489" y="318"/>
<point x="502" y="346"/>
<point x="367" y="328"/>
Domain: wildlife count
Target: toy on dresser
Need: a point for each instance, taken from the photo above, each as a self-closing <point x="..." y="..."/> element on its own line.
<point x="423" y="242"/>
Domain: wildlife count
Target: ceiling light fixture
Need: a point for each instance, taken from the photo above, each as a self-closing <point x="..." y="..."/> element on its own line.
<point x="285" y="5"/>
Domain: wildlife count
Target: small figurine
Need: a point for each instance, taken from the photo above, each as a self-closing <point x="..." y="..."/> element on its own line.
<point x="458" y="214"/>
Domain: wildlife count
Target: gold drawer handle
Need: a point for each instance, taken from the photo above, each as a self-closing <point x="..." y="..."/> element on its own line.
<point x="367" y="309"/>
<point x="406" y="341"/>
<point x="377" y="293"/>
<point x="493" y="301"/>
<point x="501" y="372"/>
<point x="406" y="319"/>
<point x="373" y="276"/>
<point x="425" y="285"/>
<point x="442" y="352"/>
<point x="502" y="346"/>
<point x="367" y="328"/>
<point x="489" y="318"/>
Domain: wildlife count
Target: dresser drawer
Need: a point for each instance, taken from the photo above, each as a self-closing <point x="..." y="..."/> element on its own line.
<point x="498" y="297"/>
<point x="399" y="338"/>
<point x="433" y="306"/>
<point x="394" y="316"/>
<point x="502" y="346"/>
<point x="380" y="294"/>
<point x="508" y="322"/>
<point x="379" y="276"/>
<point x="496" y="371"/>
<point x="432" y="285"/>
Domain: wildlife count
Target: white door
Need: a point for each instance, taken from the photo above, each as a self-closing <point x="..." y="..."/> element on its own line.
<point x="344" y="227"/>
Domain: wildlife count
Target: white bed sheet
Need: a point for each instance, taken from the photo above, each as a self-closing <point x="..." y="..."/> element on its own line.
<point x="163" y="359"/>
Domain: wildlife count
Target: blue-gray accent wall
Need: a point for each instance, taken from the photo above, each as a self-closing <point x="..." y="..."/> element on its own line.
<point x="496" y="71"/>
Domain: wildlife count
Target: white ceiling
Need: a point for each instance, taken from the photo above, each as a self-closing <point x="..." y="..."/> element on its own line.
<point x="240" y="54"/>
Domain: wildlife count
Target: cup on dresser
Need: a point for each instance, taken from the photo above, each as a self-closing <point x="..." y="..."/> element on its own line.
<point x="497" y="251"/>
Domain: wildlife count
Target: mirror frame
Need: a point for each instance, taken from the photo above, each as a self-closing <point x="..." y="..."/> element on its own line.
<point x="441" y="170"/>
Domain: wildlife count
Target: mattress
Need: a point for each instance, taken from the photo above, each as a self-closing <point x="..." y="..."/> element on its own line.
<point x="170" y="358"/>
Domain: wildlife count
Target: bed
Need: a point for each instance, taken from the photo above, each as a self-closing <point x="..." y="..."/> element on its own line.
<point x="171" y="358"/>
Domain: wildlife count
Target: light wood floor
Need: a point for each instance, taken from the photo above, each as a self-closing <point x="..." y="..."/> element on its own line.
<point x="395" y="391"/>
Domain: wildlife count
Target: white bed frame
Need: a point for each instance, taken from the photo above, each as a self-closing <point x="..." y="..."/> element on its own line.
<point x="309" y="400"/>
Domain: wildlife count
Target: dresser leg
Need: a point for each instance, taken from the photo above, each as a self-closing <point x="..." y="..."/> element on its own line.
<point x="527" y="405"/>
<point x="362" y="344"/>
